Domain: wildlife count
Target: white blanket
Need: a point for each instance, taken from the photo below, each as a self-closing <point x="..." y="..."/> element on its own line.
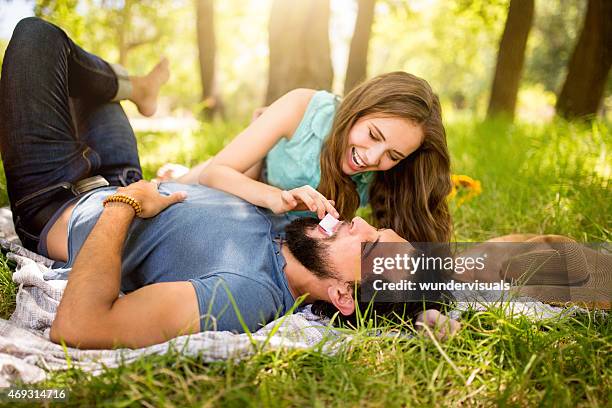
<point x="27" y="353"/>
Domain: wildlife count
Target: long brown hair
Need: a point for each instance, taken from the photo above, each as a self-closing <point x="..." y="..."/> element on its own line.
<point x="410" y="197"/>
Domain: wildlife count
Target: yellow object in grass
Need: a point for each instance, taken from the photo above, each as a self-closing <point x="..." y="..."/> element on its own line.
<point x="464" y="188"/>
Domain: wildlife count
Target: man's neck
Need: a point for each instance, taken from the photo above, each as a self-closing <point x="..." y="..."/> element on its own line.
<point x="300" y="280"/>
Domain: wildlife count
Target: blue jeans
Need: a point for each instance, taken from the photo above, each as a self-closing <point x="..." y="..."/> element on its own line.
<point x="57" y="125"/>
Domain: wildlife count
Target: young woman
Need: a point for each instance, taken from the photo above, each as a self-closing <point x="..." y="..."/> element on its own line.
<point x="383" y="144"/>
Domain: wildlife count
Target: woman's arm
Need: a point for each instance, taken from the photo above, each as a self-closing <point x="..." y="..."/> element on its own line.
<point x="181" y="174"/>
<point x="192" y="175"/>
<point x="227" y="169"/>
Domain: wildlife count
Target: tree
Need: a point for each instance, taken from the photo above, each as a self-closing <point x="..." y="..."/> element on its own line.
<point x="510" y="58"/>
<point x="207" y="51"/>
<point x="356" y="70"/>
<point x="62" y="13"/>
<point x="130" y="23"/>
<point x="127" y="36"/>
<point x="589" y="65"/>
<point x="299" y="47"/>
<point x="553" y="36"/>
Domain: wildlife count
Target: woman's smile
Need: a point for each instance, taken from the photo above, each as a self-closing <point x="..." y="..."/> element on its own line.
<point x="355" y="161"/>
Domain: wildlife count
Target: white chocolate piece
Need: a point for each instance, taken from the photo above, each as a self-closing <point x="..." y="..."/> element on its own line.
<point x="328" y="223"/>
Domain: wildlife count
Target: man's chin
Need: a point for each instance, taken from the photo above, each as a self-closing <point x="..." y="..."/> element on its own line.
<point x="311" y="252"/>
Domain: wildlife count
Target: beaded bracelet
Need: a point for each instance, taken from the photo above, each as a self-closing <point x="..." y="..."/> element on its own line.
<point x="120" y="198"/>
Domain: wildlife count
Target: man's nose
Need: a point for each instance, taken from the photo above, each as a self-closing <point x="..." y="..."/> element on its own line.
<point x="360" y="226"/>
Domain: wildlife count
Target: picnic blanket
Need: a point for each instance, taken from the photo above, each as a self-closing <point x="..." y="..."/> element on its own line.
<point x="27" y="354"/>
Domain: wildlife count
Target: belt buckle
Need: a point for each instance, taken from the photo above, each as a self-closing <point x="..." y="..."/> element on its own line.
<point x="88" y="184"/>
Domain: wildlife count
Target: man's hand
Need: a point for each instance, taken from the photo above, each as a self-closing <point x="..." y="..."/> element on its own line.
<point x="433" y="321"/>
<point x="92" y="315"/>
<point x="151" y="201"/>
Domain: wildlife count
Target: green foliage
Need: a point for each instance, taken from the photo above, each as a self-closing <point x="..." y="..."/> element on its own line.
<point x="188" y="147"/>
<point x="452" y="44"/>
<point x="242" y="54"/>
<point x="97" y="25"/>
<point x="3" y="45"/>
<point x="491" y="13"/>
<point x="148" y="32"/>
<point x="3" y="191"/>
<point x="8" y="289"/>
<point x="552" y="40"/>
<point x="63" y="13"/>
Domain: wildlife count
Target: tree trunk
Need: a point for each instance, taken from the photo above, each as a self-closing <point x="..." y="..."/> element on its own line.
<point x="589" y="65"/>
<point x="356" y="70"/>
<point x="123" y="31"/>
<point x="510" y="58"/>
<point x="207" y="50"/>
<point x="299" y="47"/>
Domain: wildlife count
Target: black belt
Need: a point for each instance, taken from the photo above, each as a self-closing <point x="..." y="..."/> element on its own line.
<point x="42" y="217"/>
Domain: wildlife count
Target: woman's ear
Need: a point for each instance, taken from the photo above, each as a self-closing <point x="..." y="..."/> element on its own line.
<point x="341" y="296"/>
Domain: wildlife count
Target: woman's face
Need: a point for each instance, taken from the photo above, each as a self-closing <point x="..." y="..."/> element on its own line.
<point x="378" y="143"/>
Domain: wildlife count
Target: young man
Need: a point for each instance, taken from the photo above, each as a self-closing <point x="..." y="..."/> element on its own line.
<point x="189" y="258"/>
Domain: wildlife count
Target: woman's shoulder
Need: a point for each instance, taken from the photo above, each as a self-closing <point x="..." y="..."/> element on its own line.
<point x="318" y="114"/>
<point x="306" y="97"/>
<point x="293" y="105"/>
<point x="301" y="95"/>
<point x="299" y="98"/>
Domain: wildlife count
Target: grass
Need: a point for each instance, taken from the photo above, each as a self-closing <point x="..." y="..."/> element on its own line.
<point x="535" y="178"/>
<point x="553" y="179"/>
<point x="8" y="289"/>
<point x="497" y="362"/>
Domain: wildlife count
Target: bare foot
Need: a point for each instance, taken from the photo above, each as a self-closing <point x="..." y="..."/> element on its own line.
<point x="146" y="88"/>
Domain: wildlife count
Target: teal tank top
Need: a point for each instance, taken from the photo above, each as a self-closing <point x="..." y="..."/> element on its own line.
<point x="295" y="162"/>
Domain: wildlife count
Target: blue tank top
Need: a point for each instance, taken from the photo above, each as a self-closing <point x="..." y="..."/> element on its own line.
<point x="295" y="162"/>
<point x="212" y="239"/>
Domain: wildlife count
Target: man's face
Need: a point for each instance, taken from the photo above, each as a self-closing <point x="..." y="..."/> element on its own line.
<point x="340" y="253"/>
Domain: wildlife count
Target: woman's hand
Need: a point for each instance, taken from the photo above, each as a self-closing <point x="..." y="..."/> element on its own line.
<point x="303" y="198"/>
<point x="151" y="201"/>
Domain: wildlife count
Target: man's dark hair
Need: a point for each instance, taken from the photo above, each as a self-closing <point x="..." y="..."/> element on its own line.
<point x="311" y="252"/>
<point x="397" y="312"/>
<point x="396" y="308"/>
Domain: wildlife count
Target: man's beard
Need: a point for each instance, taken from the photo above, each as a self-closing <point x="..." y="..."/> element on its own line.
<point x="312" y="253"/>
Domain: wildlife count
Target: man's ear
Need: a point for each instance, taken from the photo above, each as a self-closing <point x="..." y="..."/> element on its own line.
<point x="341" y="296"/>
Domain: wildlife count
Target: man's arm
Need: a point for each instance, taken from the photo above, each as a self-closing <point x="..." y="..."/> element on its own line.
<point x="91" y="315"/>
